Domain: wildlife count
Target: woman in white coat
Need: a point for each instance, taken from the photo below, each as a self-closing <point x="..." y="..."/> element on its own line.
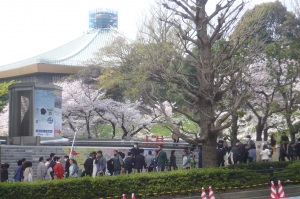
<point x="265" y="153"/>
<point x="73" y="169"/>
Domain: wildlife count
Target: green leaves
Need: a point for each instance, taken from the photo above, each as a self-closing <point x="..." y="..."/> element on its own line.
<point x="4" y="93"/>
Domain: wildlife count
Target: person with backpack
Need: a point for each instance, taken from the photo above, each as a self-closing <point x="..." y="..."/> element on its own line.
<point x="101" y="163"/>
<point x="117" y="163"/>
<point x="129" y="163"/>
<point x="73" y="169"/>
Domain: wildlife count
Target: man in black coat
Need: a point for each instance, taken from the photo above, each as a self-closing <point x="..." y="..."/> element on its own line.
<point x="52" y="164"/>
<point x="140" y="162"/>
<point x="88" y="165"/>
<point x="135" y="150"/>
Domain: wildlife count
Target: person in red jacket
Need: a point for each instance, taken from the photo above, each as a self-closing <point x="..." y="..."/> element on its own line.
<point x="58" y="169"/>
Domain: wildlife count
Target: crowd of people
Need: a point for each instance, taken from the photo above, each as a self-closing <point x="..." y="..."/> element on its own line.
<point x="97" y="165"/>
<point x="137" y="161"/>
<point x="251" y="152"/>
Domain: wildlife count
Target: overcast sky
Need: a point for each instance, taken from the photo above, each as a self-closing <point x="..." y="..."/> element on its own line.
<point x="31" y="27"/>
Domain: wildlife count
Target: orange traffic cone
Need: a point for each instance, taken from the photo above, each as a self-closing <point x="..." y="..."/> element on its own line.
<point x="211" y="194"/>
<point x="273" y="191"/>
<point x="280" y="191"/>
<point x="203" y="194"/>
<point x="123" y="196"/>
<point x="132" y="197"/>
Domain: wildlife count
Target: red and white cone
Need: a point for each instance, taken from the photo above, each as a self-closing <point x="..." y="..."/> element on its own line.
<point x="273" y="191"/>
<point x="280" y="191"/>
<point x="123" y="196"/>
<point x="132" y="197"/>
<point x="211" y="194"/>
<point x="203" y="194"/>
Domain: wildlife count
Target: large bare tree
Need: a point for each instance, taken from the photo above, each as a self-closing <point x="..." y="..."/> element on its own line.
<point x="189" y="55"/>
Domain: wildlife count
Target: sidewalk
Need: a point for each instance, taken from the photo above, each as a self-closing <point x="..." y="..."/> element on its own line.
<point x="292" y="191"/>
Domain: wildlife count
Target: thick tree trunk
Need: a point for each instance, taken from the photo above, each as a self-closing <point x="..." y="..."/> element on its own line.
<point x="293" y="135"/>
<point x="259" y="129"/>
<point x="209" y="152"/>
<point x="266" y="134"/>
<point x="234" y="128"/>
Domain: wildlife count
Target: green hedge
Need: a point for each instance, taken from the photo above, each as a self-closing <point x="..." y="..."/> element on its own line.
<point x="144" y="183"/>
<point x="260" y="165"/>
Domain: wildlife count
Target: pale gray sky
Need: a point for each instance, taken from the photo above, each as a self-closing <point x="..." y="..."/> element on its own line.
<point x="31" y="27"/>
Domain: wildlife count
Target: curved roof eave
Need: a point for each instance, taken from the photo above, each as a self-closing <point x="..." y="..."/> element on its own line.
<point x="74" y="53"/>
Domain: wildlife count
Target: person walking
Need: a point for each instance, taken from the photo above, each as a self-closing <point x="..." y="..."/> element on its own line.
<point x="185" y="159"/>
<point x="297" y="148"/>
<point x="41" y="169"/>
<point x="235" y="153"/>
<point x="67" y="165"/>
<point x="28" y="172"/>
<point x="200" y="157"/>
<point x="88" y="166"/>
<point x="101" y="164"/>
<point x="285" y="141"/>
<point x="154" y="161"/>
<point x="173" y="161"/>
<point x="140" y="162"/>
<point x="148" y="159"/>
<point x="117" y="162"/>
<point x="162" y="159"/>
<point x="265" y="153"/>
<point x="252" y="153"/>
<point x="58" y="169"/>
<point x="129" y="164"/>
<point x="19" y="172"/>
<point x="73" y="169"/>
<point x="52" y="164"/>
<point x="4" y="172"/>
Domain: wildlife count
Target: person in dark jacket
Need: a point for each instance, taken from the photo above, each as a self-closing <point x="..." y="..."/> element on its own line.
<point x="117" y="163"/>
<point x="241" y="151"/>
<point x="297" y="148"/>
<point x="135" y="150"/>
<point x="52" y="165"/>
<point x="4" y="172"/>
<point x="282" y="153"/>
<point x="19" y="172"/>
<point x="285" y="140"/>
<point x="67" y="166"/>
<point x="140" y="162"/>
<point x="129" y="163"/>
<point x="291" y="152"/>
<point x="220" y="155"/>
<point x="235" y="153"/>
<point x="246" y="153"/>
<point x="110" y="166"/>
<point x="173" y="161"/>
<point x="88" y="165"/>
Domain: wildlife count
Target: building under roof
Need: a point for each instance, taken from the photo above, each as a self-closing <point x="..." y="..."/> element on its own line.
<point x="65" y="60"/>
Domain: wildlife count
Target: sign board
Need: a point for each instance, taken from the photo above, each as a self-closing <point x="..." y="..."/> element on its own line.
<point x="47" y="112"/>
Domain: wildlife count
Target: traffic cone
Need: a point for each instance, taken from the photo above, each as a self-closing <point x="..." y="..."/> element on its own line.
<point x="280" y="191"/>
<point x="132" y="197"/>
<point x="123" y="196"/>
<point x="211" y="194"/>
<point x="273" y="191"/>
<point x="203" y="194"/>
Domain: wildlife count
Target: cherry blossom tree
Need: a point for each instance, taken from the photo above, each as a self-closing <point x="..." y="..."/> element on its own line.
<point x="4" y="121"/>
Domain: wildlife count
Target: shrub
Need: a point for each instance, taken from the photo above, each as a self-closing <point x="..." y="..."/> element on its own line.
<point x="260" y="165"/>
<point x="143" y="183"/>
